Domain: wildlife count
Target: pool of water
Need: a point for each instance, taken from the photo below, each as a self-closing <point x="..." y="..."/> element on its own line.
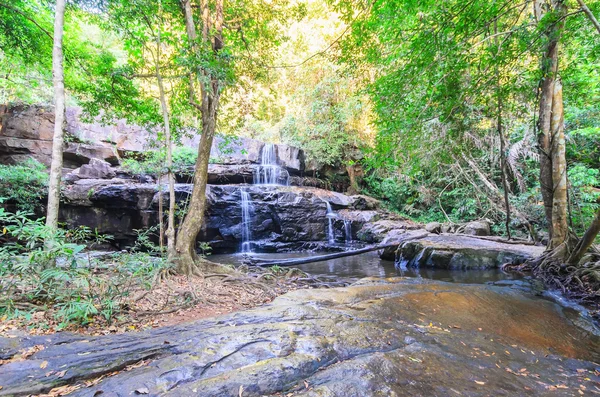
<point x="352" y="268"/>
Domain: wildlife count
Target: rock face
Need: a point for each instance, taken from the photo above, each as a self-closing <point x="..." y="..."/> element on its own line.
<point x="282" y="217"/>
<point x="26" y="131"/>
<point x="462" y="252"/>
<point x="400" y="338"/>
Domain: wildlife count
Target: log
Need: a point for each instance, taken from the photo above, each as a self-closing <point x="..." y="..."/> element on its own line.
<point x="312" y="259"/>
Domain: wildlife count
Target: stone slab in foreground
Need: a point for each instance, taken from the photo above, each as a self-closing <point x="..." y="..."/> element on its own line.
<point x="384" y="338"/>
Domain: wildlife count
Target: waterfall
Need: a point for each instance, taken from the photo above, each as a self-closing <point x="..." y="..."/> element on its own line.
<point x="269" y="172"/>
<point x="348" y="231"/>
<point x="330" y="216"/>
<point x="246" y="205"/>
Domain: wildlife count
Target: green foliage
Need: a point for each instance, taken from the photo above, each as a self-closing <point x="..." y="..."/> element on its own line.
<point x="62" y="276"/>
<point x="24" y="184"/>
<point x="585" y="184"/>
<point x="326" y="120"/>
<point x="154" y="162"/>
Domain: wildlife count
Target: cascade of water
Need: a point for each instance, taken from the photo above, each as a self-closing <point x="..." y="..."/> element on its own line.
<point x="348" y="231"/>
<point x="330" y="216"/>
<point x="269" y="172"/>
<point x="246" y="205"/>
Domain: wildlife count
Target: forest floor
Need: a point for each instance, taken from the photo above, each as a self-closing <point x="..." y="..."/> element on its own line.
<point x="173" y="300"/>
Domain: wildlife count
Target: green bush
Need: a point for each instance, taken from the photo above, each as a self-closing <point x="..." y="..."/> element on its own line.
<point x="584" y="182"/>
<point x="24" y="184"/>
<point x="62" y="278"/>
<point x="154" y="162"/>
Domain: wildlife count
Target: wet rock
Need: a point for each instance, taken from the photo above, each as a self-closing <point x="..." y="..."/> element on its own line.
<point x="279" y="214"/>
<point x="402" y="337"/>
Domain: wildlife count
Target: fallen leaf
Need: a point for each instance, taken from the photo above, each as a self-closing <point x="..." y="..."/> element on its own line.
<point x="61" y="373"/>
<point x="480" y="382"/>
<point x="306" y="384"/>
<point x="44" y="364"/>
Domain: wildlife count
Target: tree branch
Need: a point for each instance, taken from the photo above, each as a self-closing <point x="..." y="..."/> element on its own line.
<point x="28" y="18"/>
<point x="589" y="14"/>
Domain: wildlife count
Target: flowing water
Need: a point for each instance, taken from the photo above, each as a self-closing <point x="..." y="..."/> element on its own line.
<point x="270" y="172"/>
<point x="330" y="217"/>
<point x="348" y="231"/>
<point x="246" y="205"/>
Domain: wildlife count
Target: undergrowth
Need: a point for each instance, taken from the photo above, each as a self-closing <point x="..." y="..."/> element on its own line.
<point x="64" y="280"/>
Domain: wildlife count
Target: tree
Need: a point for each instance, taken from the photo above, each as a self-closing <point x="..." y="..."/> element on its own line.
<point x="233" y="41"/>
<point x="143" y="27"/>
<point x="59" y="118"/>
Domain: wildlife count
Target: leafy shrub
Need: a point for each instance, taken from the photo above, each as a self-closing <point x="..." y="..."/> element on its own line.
<point x="154" y="162"/>
<point x="24" y="184"/>
<point x="61" y="277"/>
<point x="584" y="182"/>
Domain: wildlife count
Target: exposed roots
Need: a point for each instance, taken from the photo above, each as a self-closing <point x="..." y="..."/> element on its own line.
<point x="579" y="282"/>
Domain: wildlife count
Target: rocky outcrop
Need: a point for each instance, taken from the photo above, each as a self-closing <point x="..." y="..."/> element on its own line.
<point x="282" y="217"/>
<point x="26" y="131"/>
<point x="462" y="252"/>
<point x="380" y="338"/>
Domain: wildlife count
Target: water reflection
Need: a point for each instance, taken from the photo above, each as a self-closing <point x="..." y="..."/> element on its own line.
<point x="370" y="265"/>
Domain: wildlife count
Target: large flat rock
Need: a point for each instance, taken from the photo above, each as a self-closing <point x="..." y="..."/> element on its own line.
<point x="383" y="338"/>
<point x="451" y="251"/>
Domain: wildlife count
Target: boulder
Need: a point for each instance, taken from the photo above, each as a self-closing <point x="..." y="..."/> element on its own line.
<point x="365" y="203"/>
<point x="375" y="232"/>
<point x="82" y="153"/>
<point x="434" y="227"/>
<point x="476" y="228"/>
<point x="291" y="158"/>
<point x="460" y="252"/>
<point x="96" y="169"/>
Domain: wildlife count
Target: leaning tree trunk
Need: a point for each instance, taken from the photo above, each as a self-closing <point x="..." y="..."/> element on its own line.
<point x="210" y="88"/>
<point x="586" y="241"/>
<point x="59" y="117"/>
<point x="192" y="224"/>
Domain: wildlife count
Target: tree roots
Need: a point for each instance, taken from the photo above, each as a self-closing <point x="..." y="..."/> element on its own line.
<point x="580" y="282"/>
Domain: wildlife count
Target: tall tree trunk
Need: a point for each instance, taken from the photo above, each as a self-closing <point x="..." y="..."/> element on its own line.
<point x="560" y="227"/>
<point x="549" y="66"/>
<point x="499" y="127"/>
<point x="171" y="252"/>
<point x="59" y="118"/>
<point x="210" y="95"/>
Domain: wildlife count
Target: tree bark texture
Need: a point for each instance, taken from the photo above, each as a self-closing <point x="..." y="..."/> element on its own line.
<point x="59" y="118"/>
<point x="560" y="203"/>
<point x="547" y="120"/>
